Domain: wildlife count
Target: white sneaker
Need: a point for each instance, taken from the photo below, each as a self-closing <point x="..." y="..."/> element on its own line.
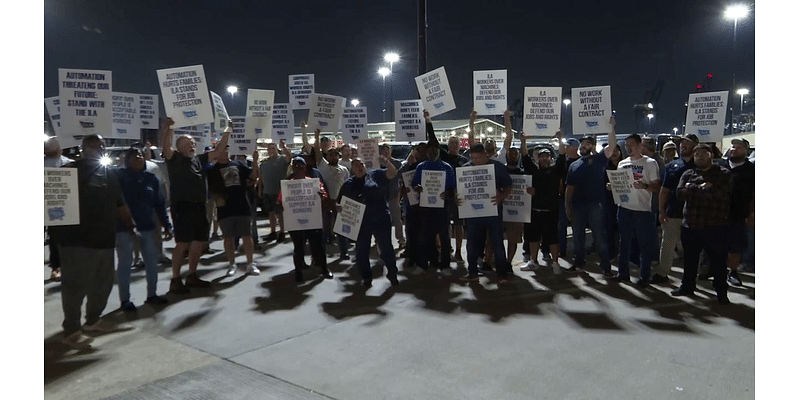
<point x="417" y="271"/>
<point x="104" y="326"/>
<point x="252" y="270"/>
<point x="231" y="270"/>
<point x="530" y="266"/>
<point x="78" y="341"/>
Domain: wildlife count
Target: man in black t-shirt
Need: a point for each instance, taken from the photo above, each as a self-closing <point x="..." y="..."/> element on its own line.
<point x="188" y="195"/>
<point x="543" y="228"/>
<point x="228" y="182"/>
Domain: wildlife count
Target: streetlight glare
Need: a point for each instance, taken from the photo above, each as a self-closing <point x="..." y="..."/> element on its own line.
<point x="742" y="92"/>
<point x="354" y="102"/>
<point x="490" y="129"/>
<point x="650" y="116"/>
<point x="384" y="71"/>
<point x="232" y="89"/>
<point x="736" y="12"/>
<point x="391" y="57"/>
<point x="567" y="102"/>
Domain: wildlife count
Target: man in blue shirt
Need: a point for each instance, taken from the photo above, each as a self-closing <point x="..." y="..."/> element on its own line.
<point x="583" y="200"/>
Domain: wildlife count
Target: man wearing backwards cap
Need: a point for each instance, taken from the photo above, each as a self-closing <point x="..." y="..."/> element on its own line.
<point x="670" y="208"/>
<point x="706" y="189"/>
<point x="583" y="203"/>
<point x="743" y="206"/>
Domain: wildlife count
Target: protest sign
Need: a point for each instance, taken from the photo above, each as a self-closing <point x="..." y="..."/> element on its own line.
<point x="221" y="116"/>
<point x="490" y="92"/>
<point x="282" y="123"/>
<point x="85" y="100"/>
<point x="61" y="197"/>
<point x="324" y="112"/>
<point x="302" y="205"/>
<point x="52" y="104"/>
<point x="348" y="221"/>
<point x="368" y="151"/>
<point x="432" y="188"/>
<point x="413" y="196"/>
<point x="517" y="206"/>
<point x="201" y="134"/>
<point x="475" y="188"/>
<point x="621" y="184"/>
<point x="125" y="116"/>
<point x="148" y="111"/>
<point x="705" y="116"/>
<point x="409" y="121"/>
<point x="354" y="124"/>
<point x="185" y="94"/>
<point x="300" y="89"/>
<point x="542" y="111"/>
<point x="434" y="90"/>
<point x="591" y="110"/>
<point x="258" y="122"/>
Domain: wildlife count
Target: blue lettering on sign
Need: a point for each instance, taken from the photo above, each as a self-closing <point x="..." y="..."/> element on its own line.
<point x="323" y="123"/>
<point x="431" y="199"/>
<point x="145" y="122"/>
<point x="243" y="148"/>
<point x="411" y="134"/>
<point x="190" y="113"/>
<point x="477" y="206"/>
<point x="346" y="228"/>
<point x="491" y="105"/>
<point x="302" y="221"/>
<point x="119" y="130"/>
<point x="624" y="198"/>
<point x="512" y="212"/>
<point x="541" y="126"/>
<point x="258" y="131"/>
<point x="55" y="213"/>
<point x="592" y="124"/>
<point x="302" y="103"/>
<point x="87" y="124"/>
<point x="439" y="105"/>
<point x="704" y="132"/>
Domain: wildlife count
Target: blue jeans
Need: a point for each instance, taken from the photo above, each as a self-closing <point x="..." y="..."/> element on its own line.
<point x="382" y="231"/>
<point x="125" y="262"/>
<point x="477" y="230"/>
<point x="642" y="225"/>
<point x="589" y="215"/>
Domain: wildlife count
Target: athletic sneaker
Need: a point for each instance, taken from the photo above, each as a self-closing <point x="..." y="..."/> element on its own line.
<point x="104" y="326"/>
<point x="733" y="279"/>
<point x="78" y="341"/>
<point x="252" y="270"/>
<point x="231" y="270"/>
<point x="530" y="266"/>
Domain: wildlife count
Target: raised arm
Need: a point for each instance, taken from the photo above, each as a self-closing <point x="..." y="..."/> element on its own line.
<point x="471" y="133"/>
<point x="391" y="171"/>
<point x="304" y="133"/>
<point x="612" y="138"/>
<point x="285" y="150"/>
<point x="255" y="172"/>
<point x="317" y="148"/>
<point x="562" y="147"/>
<point x="222" y="145"/>
<point x="509" y="132"/>
<point x="167" y="138"/>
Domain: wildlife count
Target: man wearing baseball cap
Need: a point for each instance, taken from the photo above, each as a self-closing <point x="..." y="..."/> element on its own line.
<point x="706" y="189"/>
<point x="743" y="208"/>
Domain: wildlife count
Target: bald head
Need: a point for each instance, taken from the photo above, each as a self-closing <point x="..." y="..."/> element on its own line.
<point x="52" y="149"/>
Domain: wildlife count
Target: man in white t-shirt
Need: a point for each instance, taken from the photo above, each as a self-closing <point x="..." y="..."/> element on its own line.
<point x="635" y="213"/>
<point x="333" y="174"/>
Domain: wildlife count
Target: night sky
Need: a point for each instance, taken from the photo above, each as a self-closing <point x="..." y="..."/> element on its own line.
<point x="629" y="45"/>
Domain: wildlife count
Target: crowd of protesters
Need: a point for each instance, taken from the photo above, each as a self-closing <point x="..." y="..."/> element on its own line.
<point x="683" y="199"/>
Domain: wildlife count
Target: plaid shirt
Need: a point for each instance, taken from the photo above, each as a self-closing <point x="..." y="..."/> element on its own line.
<point x="705" y="207"/>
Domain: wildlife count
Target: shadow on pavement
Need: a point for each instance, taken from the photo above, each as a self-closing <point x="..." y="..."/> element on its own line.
<point x="285" y="293"/>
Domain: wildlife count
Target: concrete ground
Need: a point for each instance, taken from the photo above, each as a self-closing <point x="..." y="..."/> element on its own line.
<point x="433" y="337"/>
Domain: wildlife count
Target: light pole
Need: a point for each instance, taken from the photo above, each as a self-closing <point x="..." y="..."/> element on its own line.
<point x="566" y="102"/>
<point x="383" y="72"/>
<point x="741" y="93"/>
<point x="391" y="58"/>
<point x="734" y="12"/>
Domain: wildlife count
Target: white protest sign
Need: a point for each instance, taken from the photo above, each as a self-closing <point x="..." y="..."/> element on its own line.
<point x="61" y="197"/>
<point x="300" y="89"/>
<point x="185" y="94"/>
<point x="348" y="221"/>
<point x="354" y="124"/>
<point x="148" y="111"/>
<point x="54" y="110"/>
<point x="475" y="188"/>
<point x="258" y="122"/>
<point x="85" y="101"/>
<point x="517" y="206"/>
<point x="282" y="123"/>
<point x="433" y="184"/>
<point x="302" y="205"/>
<point x="369" y="153"/>
<point x="324" y="112"/>
<point x="621" y="184"/>
<point x="434" y="90"/>
<point x="409" y="121"/>
<point x="490" y="92"/>
<point x="201" y="134"/>
<point x="221" y="116"/>
<point x="705" y="116"/>
<point x="125" y="116"/>
<point x="591" y="110"/>
<point x="237" y="133"/>
<point x="413" y="196"/>
<point x="542" y="111"/>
